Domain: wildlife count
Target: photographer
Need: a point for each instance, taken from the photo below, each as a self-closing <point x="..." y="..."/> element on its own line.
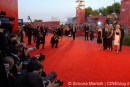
<point x="6" y="77"/>
<point x="29" y="32"/>
<point x="31" y="77"/>
<point x="16" y="55"/>
<point x="34" y="34"/>
<point x="40" y="38"/>
<point x="55" y="41"/>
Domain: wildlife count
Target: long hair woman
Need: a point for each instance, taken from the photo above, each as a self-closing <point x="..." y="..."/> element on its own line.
<point x="99" y="38"/>
<point x="117" y="38"/>
<point x="67" y="32"/>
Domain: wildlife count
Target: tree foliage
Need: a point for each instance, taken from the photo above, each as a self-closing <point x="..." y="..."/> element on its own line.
<point x="103" y="10"/>
<point x="88" y="11"/>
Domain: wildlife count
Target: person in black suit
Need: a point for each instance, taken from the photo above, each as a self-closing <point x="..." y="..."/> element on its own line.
<point x="55" y="41"/>
<point x="29" y="34"/>
<point x="86" y="31"/>
<point x="45" y="30"/>
<point x="40" y="38"/>
<point x="60" y="30"/>
<point x="34" y="34"/>
<point x="21" y="33"/>
<point x="91" y="34"/>
<point x="105" y="34"/>
<point x="74" y="31"/>
<point x="25" y="27"/>
<point x="121" y="39"/>
<point x="56" y="31"/>
<point x="43" y="38"/>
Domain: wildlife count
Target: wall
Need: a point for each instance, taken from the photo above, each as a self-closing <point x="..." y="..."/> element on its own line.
<point x="49" y="23"/>
<point x="80" y="14"/>
<point x="11" y="8"/>
<point x="125" y="12"/>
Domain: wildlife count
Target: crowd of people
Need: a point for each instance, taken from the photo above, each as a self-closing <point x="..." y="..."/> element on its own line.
<point x="110" y="35"/>
<point x="107" y="34"/>
<point x="17" y="67"/>
<point x="39" y="33"/>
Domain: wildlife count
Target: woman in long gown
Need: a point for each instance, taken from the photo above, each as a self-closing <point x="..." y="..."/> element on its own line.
<point x="99" y="38"/>
<point x="67" y="32"/>
<point x="117" y="38"/>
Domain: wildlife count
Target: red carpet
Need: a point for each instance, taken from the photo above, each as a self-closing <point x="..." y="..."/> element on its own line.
<point x="81" y="61"/>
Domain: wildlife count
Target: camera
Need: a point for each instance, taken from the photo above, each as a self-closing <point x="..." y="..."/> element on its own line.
<point x="25" y="63"/>
<point x="31" y="48"/>
<point x="52" y="77"/>
<point x="5" y="21"/>
<point x="40" y="57"/>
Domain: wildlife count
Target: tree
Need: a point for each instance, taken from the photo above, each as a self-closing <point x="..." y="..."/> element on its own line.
<point x="95" y="12"/>
<point x="88" y="11"/>
<point x="110" y="9"/>
<point x="104" y="11"/>
<point x="116" y="7"/>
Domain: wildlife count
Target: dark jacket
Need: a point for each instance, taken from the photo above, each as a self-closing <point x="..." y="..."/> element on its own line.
<point x="29" y="79"/>
<point x="86" y="28"/>
<point x="104" y="33"/>
<point x="122" y="32"/>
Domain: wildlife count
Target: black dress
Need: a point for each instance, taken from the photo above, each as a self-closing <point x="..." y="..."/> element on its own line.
<point x="99" y="40"/>
<point x="66" y="32"/>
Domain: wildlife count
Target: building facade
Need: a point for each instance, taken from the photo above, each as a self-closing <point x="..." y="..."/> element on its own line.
<point x="80" y="11"/>
<point x="125" y="12"/>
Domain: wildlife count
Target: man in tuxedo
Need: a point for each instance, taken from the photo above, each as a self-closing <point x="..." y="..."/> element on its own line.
<point x="29" y="34"/>
<point x="40" y="38"/>
<point x="122" y="37"/>
<point x="105" y="34"/>
<point x="86" y="31"/>
<point x="45" y="30"/>
<point x="74" y="31"/>
<point x="91" y="34"/>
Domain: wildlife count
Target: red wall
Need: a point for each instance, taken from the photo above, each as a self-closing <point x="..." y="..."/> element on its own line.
<point x="49" y="23"/>
<point x="80" y="13"/>
<point x="11" y="8"/>
<point x="125" y="12"/>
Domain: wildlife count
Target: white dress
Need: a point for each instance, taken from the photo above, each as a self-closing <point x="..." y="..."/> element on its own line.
<point x="117" y="39"/>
